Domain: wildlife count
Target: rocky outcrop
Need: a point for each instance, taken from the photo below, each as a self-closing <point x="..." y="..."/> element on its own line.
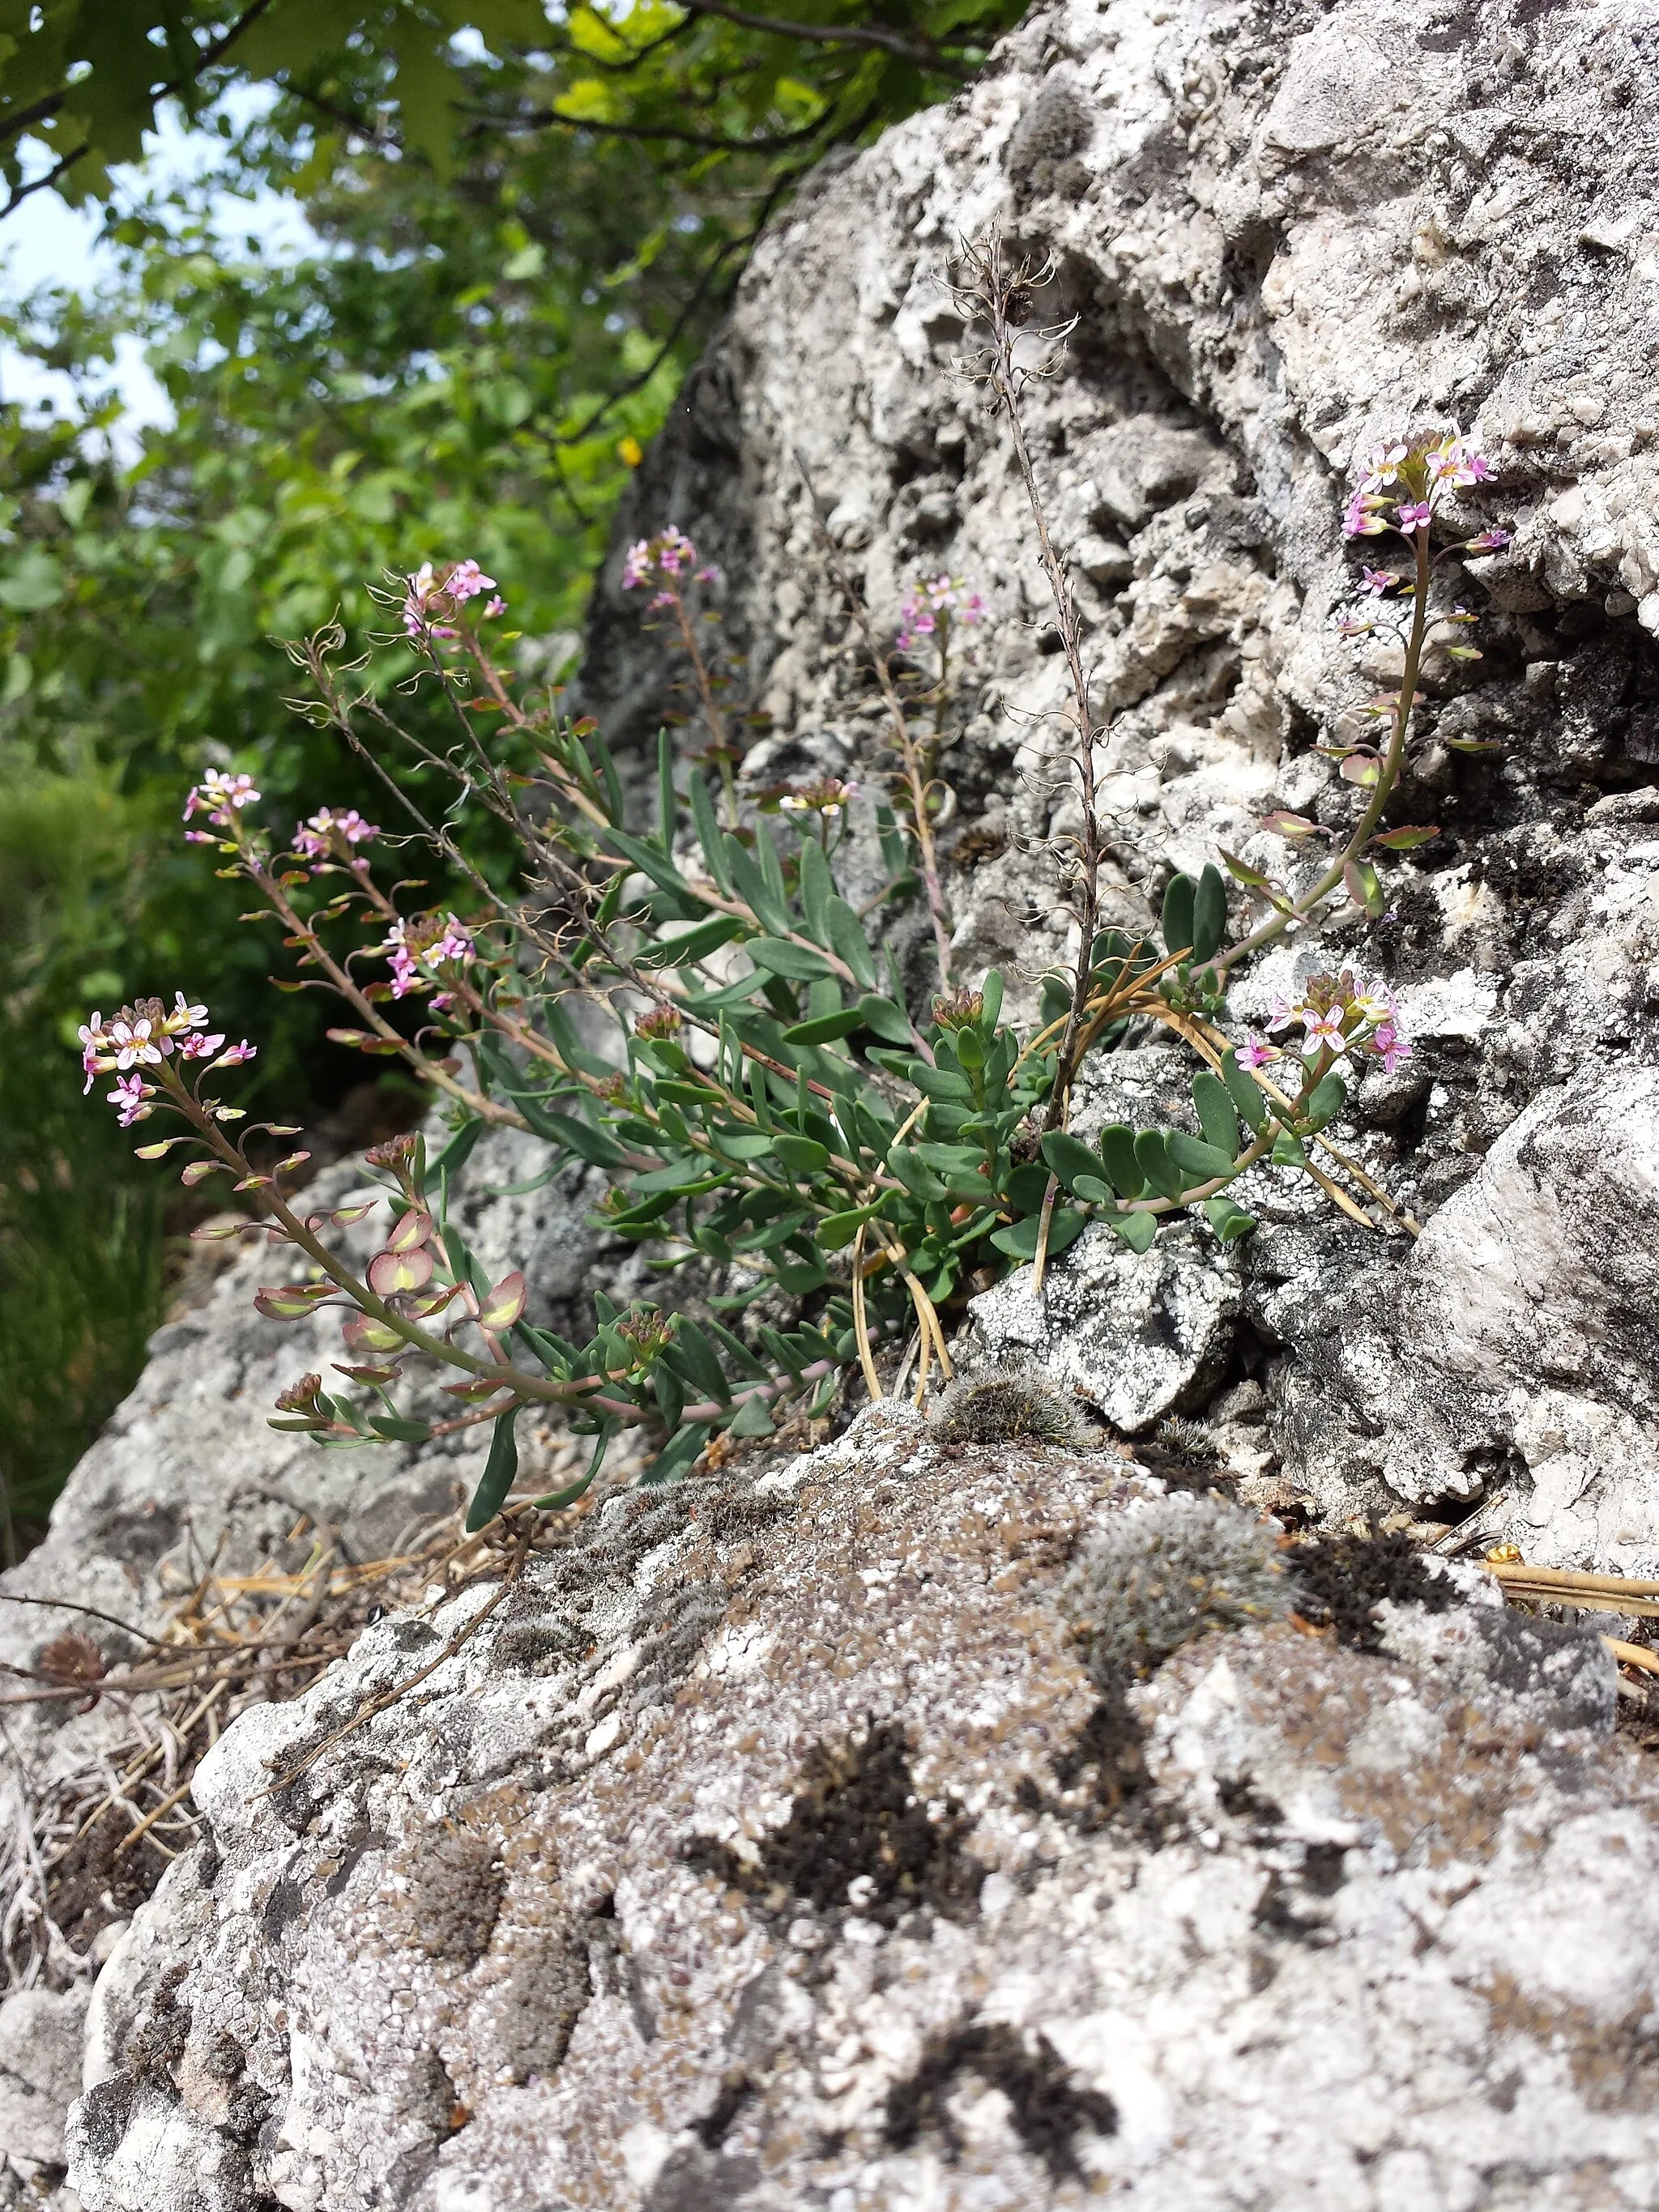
<point x="773" y="1847"/>
<point x="770" y="1842"/>
<point x="1282" y="233"/>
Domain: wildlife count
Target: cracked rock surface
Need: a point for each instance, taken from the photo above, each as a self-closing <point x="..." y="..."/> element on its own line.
<point x="775" y="1851"/>
<point x="772" y="1846"/>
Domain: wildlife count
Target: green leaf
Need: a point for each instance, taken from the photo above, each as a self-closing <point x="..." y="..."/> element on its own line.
<point x="1069" y="1156"/>
<point x="741" y="1144"/>
<point x="1176" y="922"/>
<point x="699" y="1357"/>
<point x="1209" y="915"/>
<point x="919" y="1180"/>
<point x="31" y="583"/>
<point x="1325" y="1100"/>
<point x="1138" y="1230"/>
<point x="709" y="835"/>
<point x="1216" y="1115"/>
<point x="678" y="1456"/>
<point x="1019" y="1238"/>
<point x="460" y="1149"/>
<point x="1094" y="1191"/>
<point x="886" y="1019"/>
<point x="771" y="909"/>
<point x="1288" y="1150"/>
<point x="1406" y="838"/>
<point x="753" y="1418"/>
<point x="500" y="1468"/>
<point x="826" y="1029"/>
<point x="1152" y="1158"/>
<point x="649" y="860"/>
<point x="1244" y="1091"/>
<point x="798" y="962"/>
<point x="668" y="811"/>
<point x="576" y="1136"/>
<point x="800" y="1276"/>
<point x="399" y="1430"/>
<point x="1117" y="1149"/>
<point x="691" y="945"/>
<point x="799" y="1154"/>
<point x="1229" y="1220"/>
<point x="837" y="1230"/>
<point x="817" y="888"/>
<point x="1196" y="1158"/>
<point x="847" y="939"/>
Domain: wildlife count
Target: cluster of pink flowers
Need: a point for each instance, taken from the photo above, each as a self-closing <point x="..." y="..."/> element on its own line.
<point x="220" y="798"/>
<point x="1337" y="1012"/>
<point x="326" y="832"/>
<point x="1411" y="479"/>
<point x="427" y="944"/>
<point x="828" y="797"/>
<point x="933" y="600"/>
<point x="434" y="593"/>
<point x="661" y="563"/>
<point x="143" y="1036"/>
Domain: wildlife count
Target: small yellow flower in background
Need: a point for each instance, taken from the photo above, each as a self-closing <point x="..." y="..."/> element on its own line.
<point x="631" y="451"/>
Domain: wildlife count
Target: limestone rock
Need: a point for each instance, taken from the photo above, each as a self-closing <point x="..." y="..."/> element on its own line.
<point x="1519" y="1339"/>
<point x="772" y="1853"/>
<point x="1135" y="1334"/>
<point x="39" y="2072"/>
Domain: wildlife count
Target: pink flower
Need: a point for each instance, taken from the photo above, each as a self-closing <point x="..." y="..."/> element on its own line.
<point x="933" y="600"/>
<point x="495" y="606"/>
<point x="1323" y="1025"/>
<point x="429" y="594"/>
<point x="1489" y="541"/>
<point x="1413" y="514"/>
<point x="1391" y="1048"/>
<point x="237" y="1055"/>
<point x="467" y="580"/>
<point x="201" y="1048"/>
<point x="183" y="1017"/>
<point x="660" y="560"/>
<point x="404" y="973"/>
<point x="95" y="1040"/>
<point x="1378" y="580"/>
<point x="1355" y="625"/>
<point x="453" y="944"/>
<point x="312" y="838"/>
<point x="1383" y="465"/>
<point x="708" y="574"/>
<point x="128" y="1097"/>
<point x="1360" y="518"/>
<point x="1374" y="1001"/>
<point x="212" y="796"/>
<point x="1281" y="1015"/>
<point x="137" y="1044"/>
<point x="1255" y="1052"/>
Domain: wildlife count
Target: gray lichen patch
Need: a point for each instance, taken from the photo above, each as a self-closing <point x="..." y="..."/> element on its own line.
<point x="1005" y="1405"/>
<point x="1169" y="1571"/>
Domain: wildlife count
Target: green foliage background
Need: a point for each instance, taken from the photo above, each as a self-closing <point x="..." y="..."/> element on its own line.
<point x="527" y="236"/>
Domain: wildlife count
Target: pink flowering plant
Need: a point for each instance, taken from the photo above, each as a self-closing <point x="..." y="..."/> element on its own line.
<point x="692" y="1011"/>
<point x="1400" y="494"/>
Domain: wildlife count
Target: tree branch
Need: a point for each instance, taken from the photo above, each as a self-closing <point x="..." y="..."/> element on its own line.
<point x="926" y="55"/>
